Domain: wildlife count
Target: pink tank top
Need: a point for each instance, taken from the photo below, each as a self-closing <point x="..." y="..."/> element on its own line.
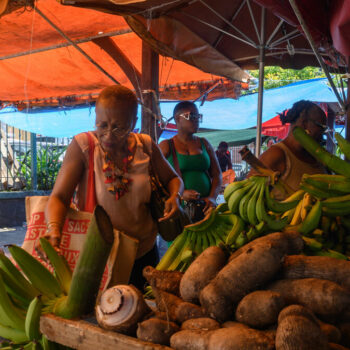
<point x="130" y="213"/>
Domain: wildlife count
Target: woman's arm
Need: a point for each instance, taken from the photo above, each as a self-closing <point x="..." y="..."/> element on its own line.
<point x="169" y="179"/>
<point x="59" y="201"/>
<point x="215" y="173"/>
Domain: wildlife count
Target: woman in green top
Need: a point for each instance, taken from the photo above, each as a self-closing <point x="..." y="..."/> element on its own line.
<point x="194" y="158"/>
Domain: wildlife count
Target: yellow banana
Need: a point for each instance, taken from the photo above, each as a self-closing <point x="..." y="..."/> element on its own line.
<point x="10" y="316"/>
<point x="32" y="321"/>
<point x="296" y="196"/>
<point x="296" y="217"/>
<point x="60" y="265"/>
<point x="307" y="202"/>
<point x="13" y="334"/>
<point x="38" y="275"/>
<point x="289" y="215"/>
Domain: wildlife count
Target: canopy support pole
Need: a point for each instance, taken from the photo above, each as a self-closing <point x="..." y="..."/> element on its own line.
<point x="347" y="120"/>
<point x="261" y="83"/>
<point x="150" y="90"/>
<point x="314" y="49"/>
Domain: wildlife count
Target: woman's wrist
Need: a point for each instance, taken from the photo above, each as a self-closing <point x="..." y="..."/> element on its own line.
<point x="53" y="226"/>
<point x="176" y="195"/>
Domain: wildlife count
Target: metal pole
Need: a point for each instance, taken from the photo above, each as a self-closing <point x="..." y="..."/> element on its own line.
<point x="34" y="163"/>
<point x="314" y="49"/>
<point x="347" y="116"/>
<point x="261" y="83"/>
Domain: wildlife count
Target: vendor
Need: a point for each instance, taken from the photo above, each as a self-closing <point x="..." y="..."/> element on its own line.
<point x="194" y="159"/>
<point x="224" y="157"/>
<point x="288" y="157"/>
<point x="122" y="183"/>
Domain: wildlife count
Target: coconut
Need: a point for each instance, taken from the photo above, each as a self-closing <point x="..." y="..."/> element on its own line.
<point x="120" y="308"/>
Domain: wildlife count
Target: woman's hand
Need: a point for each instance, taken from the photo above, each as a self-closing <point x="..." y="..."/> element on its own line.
<point x="189" y="195"/>
<point x="210" y="203"/>
<point x="171" y="207"/>
<point x="54" y="237"/>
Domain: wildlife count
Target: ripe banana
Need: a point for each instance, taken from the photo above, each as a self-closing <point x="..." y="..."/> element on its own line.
<point x="10" y="315"/>
<point x="276" y="206"/>
<point x="306" y="205"/>
<point x="232" y="187"/>
<point x="296" y="196"/>
<point x="32" y="321"/>
<point x="38" y="275"/>
<point x="312" y="219"/>
<point x="60" y="265"/>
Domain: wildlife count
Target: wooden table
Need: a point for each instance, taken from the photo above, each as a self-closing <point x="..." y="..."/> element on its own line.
<point x="84" y="335"/>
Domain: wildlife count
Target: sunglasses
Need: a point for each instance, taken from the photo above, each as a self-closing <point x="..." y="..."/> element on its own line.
<point x="192" y="116"/>
<point x="325" y="128"/>
<point x="104" y="129"/>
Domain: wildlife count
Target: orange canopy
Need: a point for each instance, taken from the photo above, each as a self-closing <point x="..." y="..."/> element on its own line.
<point x="38" y="64"/>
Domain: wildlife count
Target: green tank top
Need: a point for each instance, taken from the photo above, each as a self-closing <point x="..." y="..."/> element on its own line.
<point x="194" y="170"/>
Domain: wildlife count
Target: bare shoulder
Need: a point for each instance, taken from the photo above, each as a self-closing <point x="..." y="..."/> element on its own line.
<point x="207" y="144"/>
<point x="274" y="158"/>
<point x="164" y="147"/>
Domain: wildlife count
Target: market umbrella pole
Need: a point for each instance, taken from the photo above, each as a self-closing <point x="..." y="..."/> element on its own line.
<point x="261" y="83"/>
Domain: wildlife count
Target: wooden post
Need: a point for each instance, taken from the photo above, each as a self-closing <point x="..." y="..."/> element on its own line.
<point x="149" y="83"/>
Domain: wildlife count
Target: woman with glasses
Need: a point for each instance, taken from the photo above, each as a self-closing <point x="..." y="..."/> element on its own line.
<point x="121" y="183"/>
<point x="288" y="157"/>
<point x="194" y="160"/>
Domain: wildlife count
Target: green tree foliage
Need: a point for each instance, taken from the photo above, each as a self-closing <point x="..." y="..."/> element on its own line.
<point x="277" y="76"/>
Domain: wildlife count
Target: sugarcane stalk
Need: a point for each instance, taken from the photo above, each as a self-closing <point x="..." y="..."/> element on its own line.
<point x="88" y="272"/>
<point x="331" y="161"/>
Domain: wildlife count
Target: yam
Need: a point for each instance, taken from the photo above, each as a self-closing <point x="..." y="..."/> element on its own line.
<point x="229" y="324"/>
<point x="291" y="242"/>
<point x="332" y="333"/>
<point x="202" y="270"/>
<point x="169" y="281"/>
<point x="324" y="298"/>
<point x="176" y="309"/>
<point x="298" y="332"/>
<point x="322" y="267"/>
<point x="334" y="346"/>
<point x="297" y="310"/>
<point x="190" y="340"/>
<point x="250" y="270"/>
<point x="345" y="334"/>
<point x="204" y="323"/>
<point x="260" y="309"/>
<point x="239" y="338"/>
<point x="156" y="331"/>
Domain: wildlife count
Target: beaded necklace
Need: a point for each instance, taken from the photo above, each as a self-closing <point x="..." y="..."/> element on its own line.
<point x="115" y="179"/>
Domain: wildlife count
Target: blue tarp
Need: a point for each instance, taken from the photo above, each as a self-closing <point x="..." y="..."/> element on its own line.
<point x="225" y="114"/>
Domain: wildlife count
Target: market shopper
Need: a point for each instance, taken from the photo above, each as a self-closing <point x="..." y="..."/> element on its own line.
<point x="194" y="159"/>
<point x="121" y="171"/>
<point x="224" y="157"/>
<point x="288" y="157"/>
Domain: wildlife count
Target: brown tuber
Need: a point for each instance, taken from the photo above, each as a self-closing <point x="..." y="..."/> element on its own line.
<point x="203" y="269"/>
<point x="324" y="298"/>
<point x="204" y="323"/>
<point x="169" y="281"/>
<point x="260" y="309"/>
<point x="298" y="330"/>
<point x="156" y="331"/>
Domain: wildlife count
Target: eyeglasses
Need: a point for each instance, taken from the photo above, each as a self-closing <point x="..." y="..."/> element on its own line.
<point x="104" y="129"/>
<point x="192" y="116"/>
<point x="325" y="128"/>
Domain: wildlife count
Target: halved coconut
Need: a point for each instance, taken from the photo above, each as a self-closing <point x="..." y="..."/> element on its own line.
<point x="120" y="308"/>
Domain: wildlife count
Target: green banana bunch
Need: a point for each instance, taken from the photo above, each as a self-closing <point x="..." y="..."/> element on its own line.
<point x="335" y="185"/>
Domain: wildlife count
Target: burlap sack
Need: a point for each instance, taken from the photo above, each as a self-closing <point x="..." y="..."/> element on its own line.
<point x="123" y="252"/>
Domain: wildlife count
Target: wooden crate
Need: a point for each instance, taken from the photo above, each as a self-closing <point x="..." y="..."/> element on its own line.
<point x="85" y="335"/>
